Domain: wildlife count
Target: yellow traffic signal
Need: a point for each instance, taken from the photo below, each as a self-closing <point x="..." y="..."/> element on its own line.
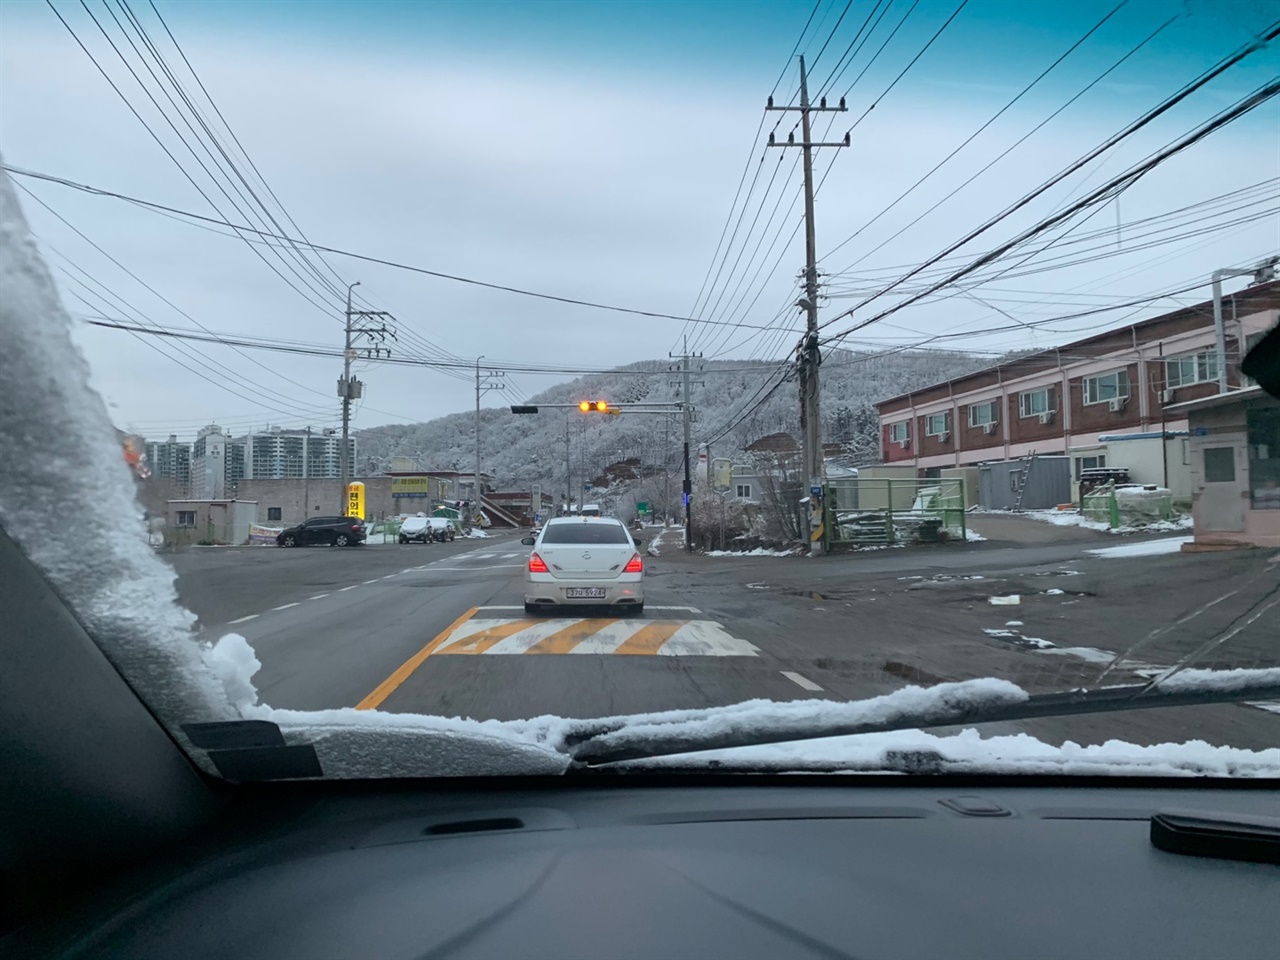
<point x="594" y="406"/>
<point x="602" y="407"/>
<point x="584" y="406"/>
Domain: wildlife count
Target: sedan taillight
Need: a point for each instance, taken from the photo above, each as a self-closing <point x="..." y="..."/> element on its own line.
<point x="634" y="565"/>
<point x="537" y="564"/>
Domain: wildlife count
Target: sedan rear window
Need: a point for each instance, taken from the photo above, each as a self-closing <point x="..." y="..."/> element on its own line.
<point x="585" y="533"/>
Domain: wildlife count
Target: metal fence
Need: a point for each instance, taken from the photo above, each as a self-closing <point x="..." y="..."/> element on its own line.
<point x="1128" y="505"/>
<point x="873" y="512"/>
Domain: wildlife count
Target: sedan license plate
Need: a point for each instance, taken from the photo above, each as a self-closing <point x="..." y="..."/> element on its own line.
<point x="584" y="593"/>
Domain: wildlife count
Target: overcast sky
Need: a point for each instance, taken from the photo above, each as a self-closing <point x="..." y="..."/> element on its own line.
<point x="592" y="151"/>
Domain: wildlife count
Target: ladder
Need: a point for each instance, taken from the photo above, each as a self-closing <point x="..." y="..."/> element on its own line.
<point x="1022" y="480"/>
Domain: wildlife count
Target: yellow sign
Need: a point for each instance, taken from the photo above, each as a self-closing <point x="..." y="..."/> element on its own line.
<point x="410" y="486"/>
<point x="355" y="499"/>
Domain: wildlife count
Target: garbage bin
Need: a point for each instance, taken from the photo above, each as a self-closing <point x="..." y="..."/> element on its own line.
<point x="928" y="531"/>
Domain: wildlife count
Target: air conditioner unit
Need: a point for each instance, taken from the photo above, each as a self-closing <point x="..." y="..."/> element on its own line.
<point x="904" y="442"/>
<point x="1116" y="405"/>
<point x="1166" y="396"/>
<point x="944" y="436"/>
<point x="1046" y="417"/>
<point x="988" y="428"/>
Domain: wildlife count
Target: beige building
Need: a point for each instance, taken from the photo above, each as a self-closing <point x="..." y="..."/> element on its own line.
<point x="1235" y="468"/>
<point x="208" y="522"/>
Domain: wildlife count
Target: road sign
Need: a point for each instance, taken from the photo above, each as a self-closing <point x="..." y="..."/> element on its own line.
<point x="642" y="507"/>
<point x="722" y="474"/>
<point x="537" y="518"/>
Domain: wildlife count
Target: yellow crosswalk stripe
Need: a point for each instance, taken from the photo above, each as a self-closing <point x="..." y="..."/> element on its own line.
<point x="649" y="638"/>
<point x="563" y="641"/>
<point x="484" y="639"/>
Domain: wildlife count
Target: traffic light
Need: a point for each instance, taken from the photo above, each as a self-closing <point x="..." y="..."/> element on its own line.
<point x="524" y="408"/>
<point x="593" y="406"/>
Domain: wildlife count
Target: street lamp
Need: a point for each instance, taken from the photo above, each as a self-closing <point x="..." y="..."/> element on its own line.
<point x="1262" y="273"/>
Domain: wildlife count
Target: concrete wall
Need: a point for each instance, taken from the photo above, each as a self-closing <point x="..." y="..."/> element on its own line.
<point x="216" y="521"/>
<point x="299" y="499"/>
<point x="970" y="477"/>
<point x="1165" y="462"/>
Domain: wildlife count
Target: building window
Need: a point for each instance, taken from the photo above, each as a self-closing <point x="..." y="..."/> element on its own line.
<point x="1194" y="368"/>
<point x="1264" y="459"/>
<point x="980" y="414"/>
<point x="744" y="491"/>
<point x="899" y="432"/>
<point x="273" y="513"/>
<point x="1219" y="464"/>
<point x="185" y="518"/>
<point x="1109" y="386"/>
<point x="1034" y="403"/>
<point x="1090" y="463"/>
<point x="936" y="425"/>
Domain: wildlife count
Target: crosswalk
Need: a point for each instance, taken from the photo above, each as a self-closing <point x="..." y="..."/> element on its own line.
<point x="604" y="635"/>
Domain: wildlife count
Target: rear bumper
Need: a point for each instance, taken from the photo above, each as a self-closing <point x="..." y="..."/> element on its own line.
<point x="542" y="588"/>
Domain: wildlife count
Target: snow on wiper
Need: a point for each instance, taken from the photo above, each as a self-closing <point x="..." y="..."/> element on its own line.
<point x="759" y="722"/>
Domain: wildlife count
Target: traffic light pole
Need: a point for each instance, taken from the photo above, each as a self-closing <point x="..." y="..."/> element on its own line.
<point x="688" y="486"/>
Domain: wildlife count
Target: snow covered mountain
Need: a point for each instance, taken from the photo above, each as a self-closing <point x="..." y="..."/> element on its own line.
<point x="520" y="450"/>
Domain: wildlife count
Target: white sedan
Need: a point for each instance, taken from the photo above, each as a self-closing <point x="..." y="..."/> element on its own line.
<point x="589" y="561"/>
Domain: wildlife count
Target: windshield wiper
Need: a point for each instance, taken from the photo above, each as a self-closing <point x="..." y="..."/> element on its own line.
<point x="759" y="723"/>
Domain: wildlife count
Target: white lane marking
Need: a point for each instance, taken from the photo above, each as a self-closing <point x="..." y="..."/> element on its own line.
<point x="482" y="556"/>
<point x="802" y="681"/>
<point x="318" y="596"/>
<point x="492" y="566"/>
<point x="654" y="607"/>
<point x="284" y="606"/>
<point x="513" y="606"/>
<point x="509" y="556"/>
<point x="390" y="575"/>
<point x="703" y="638"/>
<point x="706" y="638"/>
<point x="352" y="587"/>
<point x="371" y="581"/>
<point x="252" y="616"/>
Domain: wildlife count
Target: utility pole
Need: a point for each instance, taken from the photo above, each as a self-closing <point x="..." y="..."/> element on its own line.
<point x="568" y="470"/>
<point x="686" y="410"/>
<point x="807" y="353"/>
<point x="357" y="326"/>
<point x="491" y="381"/>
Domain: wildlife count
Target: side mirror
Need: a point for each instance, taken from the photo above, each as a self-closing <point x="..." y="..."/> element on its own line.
<point x="528" y="541"/>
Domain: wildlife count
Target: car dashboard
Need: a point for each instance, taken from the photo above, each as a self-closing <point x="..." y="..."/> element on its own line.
<point x="825" y="867"/>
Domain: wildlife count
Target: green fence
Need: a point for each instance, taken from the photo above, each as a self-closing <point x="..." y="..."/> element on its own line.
<point x="866" y="512"/>
<point x="1127" y="506"/>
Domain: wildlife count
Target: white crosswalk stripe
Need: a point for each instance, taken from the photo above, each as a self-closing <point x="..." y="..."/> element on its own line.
<point x="670" y="638"/>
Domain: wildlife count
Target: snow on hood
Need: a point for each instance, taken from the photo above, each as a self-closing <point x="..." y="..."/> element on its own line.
<point x="61" y="458"/>
<point x="970" y="752"/>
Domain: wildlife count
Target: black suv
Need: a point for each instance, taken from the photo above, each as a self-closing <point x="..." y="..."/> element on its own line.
<point x="335" y="531"/>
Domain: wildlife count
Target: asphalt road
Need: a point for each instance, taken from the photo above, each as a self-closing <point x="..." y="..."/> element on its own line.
<point x="441" y="629"/>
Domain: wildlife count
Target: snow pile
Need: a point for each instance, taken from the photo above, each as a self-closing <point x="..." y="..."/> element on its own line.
<point x="757" y="552"/>
<point x="1146" y="548"/>
<point x="107" y="572"/>
<point x="652" y="549"/>
<point x="701" y="729"/>
<point x="1186" y="681"/>
<point x="1012" y="600"/>
<point x="973" y="536"/>
<point x="1072" y="518"/>
<point x="476" y="532"/>
<point x="917" y="751"/>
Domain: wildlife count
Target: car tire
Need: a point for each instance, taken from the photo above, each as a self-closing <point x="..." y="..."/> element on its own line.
<point x="404" y="540"/>
<point x="341" y="540"/>
<point x="633" y="609"/>
<point x="289" y="541"/>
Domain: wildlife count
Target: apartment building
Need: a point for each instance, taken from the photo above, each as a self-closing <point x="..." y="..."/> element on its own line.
<point x="170" y="460"/>
<point x="1116" y="395"/>
<point x="278" y="454"/>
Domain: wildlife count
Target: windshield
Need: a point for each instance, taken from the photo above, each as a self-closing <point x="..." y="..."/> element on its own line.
<point x="904" y="342"/>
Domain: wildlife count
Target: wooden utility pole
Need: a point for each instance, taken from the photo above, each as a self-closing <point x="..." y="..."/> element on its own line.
<point x="808" y="356"/>
<point x="356" y="327"/>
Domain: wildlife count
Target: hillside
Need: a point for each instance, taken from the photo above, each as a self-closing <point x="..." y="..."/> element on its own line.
<point x="521" y="450"/>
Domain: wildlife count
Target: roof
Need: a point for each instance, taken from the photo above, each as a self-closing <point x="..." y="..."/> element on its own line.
<point x="774" y="443"/>
<point x="1219" y="400"/>
<point x="1263" y="296"/>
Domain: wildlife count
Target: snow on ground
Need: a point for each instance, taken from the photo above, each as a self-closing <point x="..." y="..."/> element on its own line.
<point x="1012" y="600"/>
<point x="476" y="532"/>
<point x="757" y="552"/>
<point x="1146" y="548"/>
<point x="973" y="536"/>
<point x="1073" y="518"/>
